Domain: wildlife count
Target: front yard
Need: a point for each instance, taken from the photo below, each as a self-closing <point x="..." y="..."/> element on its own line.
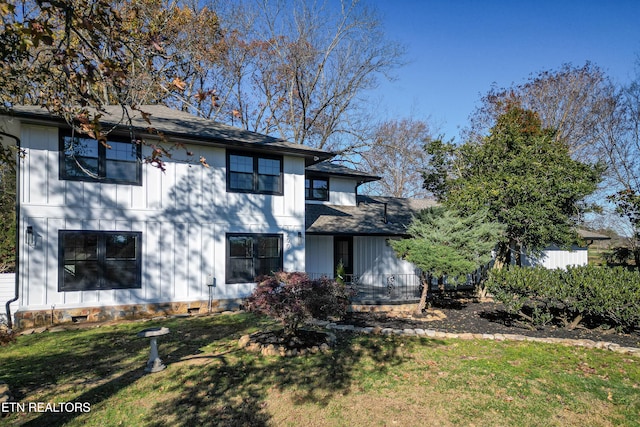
<point x="365" y="380"/>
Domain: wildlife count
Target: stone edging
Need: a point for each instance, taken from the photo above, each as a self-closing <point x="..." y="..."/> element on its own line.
<point x="249" y="343"/>
<point x="431" y="333"/>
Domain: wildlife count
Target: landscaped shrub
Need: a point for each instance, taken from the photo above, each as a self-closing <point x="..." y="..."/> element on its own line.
<point x="519" y="290"/>
<point x="608" y="296"/>
<point x="293" y="298"/>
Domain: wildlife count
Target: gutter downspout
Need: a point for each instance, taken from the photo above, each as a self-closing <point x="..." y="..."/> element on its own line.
<point x="384" y="219"/>
<point x="17" y="283"/>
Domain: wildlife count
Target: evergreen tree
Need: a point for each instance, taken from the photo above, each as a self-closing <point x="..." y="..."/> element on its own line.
<point x="444" y="242"/>
<point x="523" y="175"/>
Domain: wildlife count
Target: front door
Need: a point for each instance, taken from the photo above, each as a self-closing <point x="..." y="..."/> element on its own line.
<point x="343" y="252"/>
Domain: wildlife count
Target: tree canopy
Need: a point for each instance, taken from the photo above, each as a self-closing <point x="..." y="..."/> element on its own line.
<point x="74" y="57"/>
<point x="396" y="153"/>
<point x="598" y="120"/>
<point x="522" y="174"/>
<point x="291" y="69"/>
<point x="296" y="70"/>
<point x="7" y="218"/>
<point x="443" y="242"/>
<point x="623" y="158"/>
<point x="579" y="102"/>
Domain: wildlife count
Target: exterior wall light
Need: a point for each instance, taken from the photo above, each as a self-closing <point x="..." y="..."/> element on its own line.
<point x="31" y="238"/>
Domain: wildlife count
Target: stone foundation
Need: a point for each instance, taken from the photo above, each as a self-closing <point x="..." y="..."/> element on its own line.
<point x="40" y="318"/>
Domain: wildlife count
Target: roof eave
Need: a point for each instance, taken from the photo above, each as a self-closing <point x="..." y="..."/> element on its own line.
<point x="312" y="156"/>
<point x="361" y="178"/>
<point x="360" y="234"/>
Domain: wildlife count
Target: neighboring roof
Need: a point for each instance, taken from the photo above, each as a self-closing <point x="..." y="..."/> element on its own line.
<point x="591" y="235"/>
<point x="186" y="126"/>
<point x="334" y="169"/>
<point x="367" y="218"/>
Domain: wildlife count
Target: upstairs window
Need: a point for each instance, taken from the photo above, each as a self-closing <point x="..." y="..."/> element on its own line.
<point x="99" y="260"/>
<point x="316" y="189"/>
<point x="86" y="159"/>
<point x="254" y="174"/>
<point x="252" y="255"/>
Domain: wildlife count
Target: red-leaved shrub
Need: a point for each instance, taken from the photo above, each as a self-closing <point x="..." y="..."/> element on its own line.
<point x="293" y="298"/>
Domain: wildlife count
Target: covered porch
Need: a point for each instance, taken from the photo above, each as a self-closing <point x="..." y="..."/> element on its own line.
<point x="357" y="238"/>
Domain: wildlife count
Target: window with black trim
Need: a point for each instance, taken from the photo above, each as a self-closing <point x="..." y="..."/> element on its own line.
<point x="316" y="188"/>
<point x="252" y="255"/>
<point x="86" y="159"/>
<point x="247" y="173"/>
<point x="99" y="260"/>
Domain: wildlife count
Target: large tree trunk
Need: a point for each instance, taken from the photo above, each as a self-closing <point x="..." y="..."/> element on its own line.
<point x="481" y="277"/>
<point x="425" y="278"/>
<point x="517" y="252"/>
<point x="503" y="256"/>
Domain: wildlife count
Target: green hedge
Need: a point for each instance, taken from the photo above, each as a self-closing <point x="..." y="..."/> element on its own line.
<point x="606" y="296"/>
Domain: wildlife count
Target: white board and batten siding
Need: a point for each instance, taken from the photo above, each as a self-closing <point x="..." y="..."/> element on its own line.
<point x="372" y="257"/>
<point x="554" y="257"/>
<point x="342" y="191"/>
<point x="183" y="213"/>
<point x="319" y="254"/>
<point x="7" y="293"/>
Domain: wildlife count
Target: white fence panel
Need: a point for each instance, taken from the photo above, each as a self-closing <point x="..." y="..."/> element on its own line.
<point x="7" y="292"/>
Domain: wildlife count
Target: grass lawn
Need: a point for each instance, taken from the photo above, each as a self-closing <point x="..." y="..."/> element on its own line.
<point x="365" y="380"/>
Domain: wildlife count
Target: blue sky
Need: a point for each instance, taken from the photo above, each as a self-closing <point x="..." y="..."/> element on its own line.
<point x="458" y="48"/>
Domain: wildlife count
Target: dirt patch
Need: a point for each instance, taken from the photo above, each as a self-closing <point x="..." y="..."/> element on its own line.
<point x="484" y="318"/>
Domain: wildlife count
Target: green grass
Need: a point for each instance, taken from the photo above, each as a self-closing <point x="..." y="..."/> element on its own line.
<point x="365" y="380"/>
<point x="596" y="255"/>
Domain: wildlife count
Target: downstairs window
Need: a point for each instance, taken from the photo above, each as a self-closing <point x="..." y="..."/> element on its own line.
<point x="252" y="255"/>
<point x="99" y="260"/>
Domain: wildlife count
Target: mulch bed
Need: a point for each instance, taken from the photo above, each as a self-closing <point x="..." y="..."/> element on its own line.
<point x="467" y="316"/>
<point x="302" y="340"/>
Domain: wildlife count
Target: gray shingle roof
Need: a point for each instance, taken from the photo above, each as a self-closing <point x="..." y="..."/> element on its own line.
<point x="327" y="168"/>
<point x="592" y="235"/>
<point x="187" y="126"/>
<point x="367" y="218"/>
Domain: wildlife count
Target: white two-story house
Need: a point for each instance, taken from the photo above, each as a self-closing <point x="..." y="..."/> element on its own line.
<point x="102" y="235"/>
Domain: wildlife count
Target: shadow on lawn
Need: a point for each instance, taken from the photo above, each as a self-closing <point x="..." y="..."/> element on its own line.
<point x="227" y="388"/>
<point x="102" y="362"/>
<point x="234" y="388"/>
<point x="93" y="396"/>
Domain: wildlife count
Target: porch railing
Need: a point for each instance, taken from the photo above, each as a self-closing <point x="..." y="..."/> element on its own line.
<point x="401" y="288"/>
<point x="382" y="288"/>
